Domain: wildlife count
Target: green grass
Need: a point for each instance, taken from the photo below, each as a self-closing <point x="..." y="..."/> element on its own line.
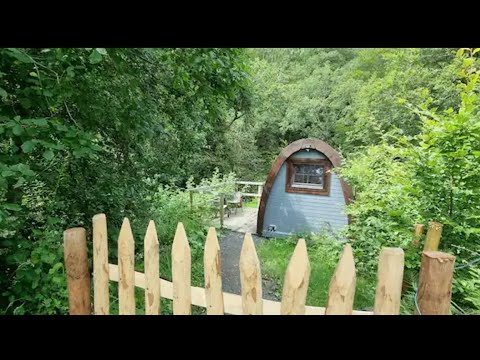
<point x="323" y="255"/>
<point x="253" y="203"/>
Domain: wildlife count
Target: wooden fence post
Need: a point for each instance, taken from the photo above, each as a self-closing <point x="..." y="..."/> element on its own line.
<point x="417" y="234"/>
<point x="76" y="265"/>
<point x="390" y="279"/>
<point x="433" y="236"/>
<point x="191" y="199"/>
<point x="260" y="191"/>
<point x="222" y="200"/>
<point x="435" y="283"/>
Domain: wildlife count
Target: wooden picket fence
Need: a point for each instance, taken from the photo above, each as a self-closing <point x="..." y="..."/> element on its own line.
<point x="340" y="296"/>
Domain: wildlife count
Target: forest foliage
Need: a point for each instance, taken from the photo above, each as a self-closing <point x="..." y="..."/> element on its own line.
<point x="123" y="131"/>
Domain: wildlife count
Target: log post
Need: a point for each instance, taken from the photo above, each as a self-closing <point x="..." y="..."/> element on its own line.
<point x="418" y="232"/>
<point x="78" y="276"/>
<point x="191" y="199"/>
<point x="433" y="236"/>
<point x="222" y="197"/>
<point x="435" y="283"/>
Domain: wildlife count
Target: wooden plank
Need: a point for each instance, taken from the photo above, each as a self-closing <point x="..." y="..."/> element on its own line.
<point x="433" y="236"/>
<point x="341" y="292"/>
<point x="251" y="194"/>
<point x="181" y="273"/>
<point x="152" y="270"/>
<point x="213" y="275"/>
<point x="250" y="278"/>
<point x="435" y="283"/>
<point x="204" y="188"/>
<point x="232" y="302"/>
<point x="101" y="299"/>
<point x="389" y="285"/>
<point x="297" y="277"/>
<point x="253" y="183"/>
<point x="126" y="286"/>
<point x="78" y="276"/>
<point x="418" y="231"/>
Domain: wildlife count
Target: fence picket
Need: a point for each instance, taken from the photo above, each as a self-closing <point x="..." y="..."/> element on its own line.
<point x="296" y="282"/>
<point x="389" y="285"/>
<point x="341" y="292"/>
<point x="181" y="273"/>
<point x="250" y="278"/>
<point x="213" y="275"/>
<point x="152" y="289"/>
<point x="101" y="299"/>
<point x="126" y="285"/>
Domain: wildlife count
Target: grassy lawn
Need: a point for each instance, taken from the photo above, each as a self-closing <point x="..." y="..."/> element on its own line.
<point x="275" y="255"/>
<point x="252" y="203"/>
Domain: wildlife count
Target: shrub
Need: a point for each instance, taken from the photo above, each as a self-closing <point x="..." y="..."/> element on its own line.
<point x="433" y="176"/>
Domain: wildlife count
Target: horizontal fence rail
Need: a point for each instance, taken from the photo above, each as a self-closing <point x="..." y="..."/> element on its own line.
<point x="340" y="295"/>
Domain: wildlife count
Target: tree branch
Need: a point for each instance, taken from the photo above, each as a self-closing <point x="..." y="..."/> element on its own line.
<point x="235" y="118"/>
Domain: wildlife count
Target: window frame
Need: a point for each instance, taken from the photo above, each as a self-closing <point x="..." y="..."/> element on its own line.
<point x="290" y="162"/>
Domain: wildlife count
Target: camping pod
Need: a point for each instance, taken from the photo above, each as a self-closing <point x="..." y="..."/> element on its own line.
<point x="302" y="194"/>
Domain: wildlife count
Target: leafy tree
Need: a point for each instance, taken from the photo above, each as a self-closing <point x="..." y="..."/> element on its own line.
<point x="432" y="176"/>
<point x="84" y="131"/>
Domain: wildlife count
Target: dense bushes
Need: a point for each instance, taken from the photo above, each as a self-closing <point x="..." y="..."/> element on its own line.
<point x="80" y="132"/>
<point x="433" y="176"/>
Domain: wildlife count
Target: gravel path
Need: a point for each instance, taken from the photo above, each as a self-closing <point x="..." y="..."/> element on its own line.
<point x="230" y="247"/>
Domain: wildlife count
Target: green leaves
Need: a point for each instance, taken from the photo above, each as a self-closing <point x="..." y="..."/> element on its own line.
<point x="23" y="169"/>
<point x="78" y="137"/>
<point x="95" y="57"/>
<point x="12" y="207"/>
<point x="20" y="55"/>
<point x="48" y="155"/>
<point x="17" y="129"/>
<point x="28" y="146"/>
<point x="102" y="51"/>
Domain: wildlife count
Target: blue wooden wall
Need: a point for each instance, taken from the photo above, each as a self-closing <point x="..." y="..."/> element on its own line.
<point x="301" y="213"/>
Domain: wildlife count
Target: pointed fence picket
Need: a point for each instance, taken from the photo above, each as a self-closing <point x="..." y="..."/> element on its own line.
<point x="296" y="282"/>
<point x="213" y="275"/>
<point x="126" y="281"/>
<point x="100" y="266"/>
<point x="250" y="278"/>
<point x="152" y="265"/>
<point x="181" y="273"/>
